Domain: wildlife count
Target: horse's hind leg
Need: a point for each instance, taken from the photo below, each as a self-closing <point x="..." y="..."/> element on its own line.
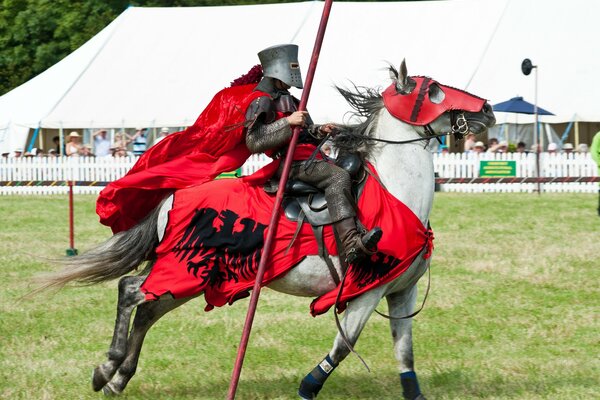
<point x="129" y="297"/>
<point x="355" y="318"/>
<point x="401" y="304"/>
<point x="146" y="315"/>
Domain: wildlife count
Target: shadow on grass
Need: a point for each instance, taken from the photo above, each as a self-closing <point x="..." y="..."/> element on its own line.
<point x="450" y="384"/>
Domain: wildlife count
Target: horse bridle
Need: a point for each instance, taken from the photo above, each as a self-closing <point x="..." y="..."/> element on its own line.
<point x="459" y="127"/>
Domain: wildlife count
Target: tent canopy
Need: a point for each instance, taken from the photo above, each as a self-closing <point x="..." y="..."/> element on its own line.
<point x="158" y="67"/>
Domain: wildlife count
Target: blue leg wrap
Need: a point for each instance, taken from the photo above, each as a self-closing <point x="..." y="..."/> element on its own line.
<point x="410" y="385"/>
<point x="313" y="382"/>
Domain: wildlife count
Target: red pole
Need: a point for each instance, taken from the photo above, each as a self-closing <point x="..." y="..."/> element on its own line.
<point x="71" y="217"/>
<point x="71" y="251"/>
<point x="237" y="369"/>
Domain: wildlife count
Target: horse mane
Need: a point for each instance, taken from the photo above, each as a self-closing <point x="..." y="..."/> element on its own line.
<point x="366" y="103"/>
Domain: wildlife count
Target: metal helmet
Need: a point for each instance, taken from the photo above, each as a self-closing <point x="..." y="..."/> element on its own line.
<point x="281" y="62"/>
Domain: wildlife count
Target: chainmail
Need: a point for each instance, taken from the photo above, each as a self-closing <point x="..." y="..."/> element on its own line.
<point x="262" y="137"/>
<point x="334" y="181"/>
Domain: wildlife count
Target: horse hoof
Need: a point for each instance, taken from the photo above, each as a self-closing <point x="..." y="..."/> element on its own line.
<point x="110" y="390"/>
<point x="98" y="379"/>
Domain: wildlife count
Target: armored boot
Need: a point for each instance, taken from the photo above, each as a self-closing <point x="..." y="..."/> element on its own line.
<point x="355" y="246"/>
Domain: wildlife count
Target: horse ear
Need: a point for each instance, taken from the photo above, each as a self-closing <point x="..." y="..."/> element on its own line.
<point x="402" y="83"/>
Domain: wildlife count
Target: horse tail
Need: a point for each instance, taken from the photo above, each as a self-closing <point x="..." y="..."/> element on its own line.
<point x="119" y="255"/>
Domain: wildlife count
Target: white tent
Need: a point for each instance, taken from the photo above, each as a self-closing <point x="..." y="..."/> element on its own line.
<point x="160" y="66"/>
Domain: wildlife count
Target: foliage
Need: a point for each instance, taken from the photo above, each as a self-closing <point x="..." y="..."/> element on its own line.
<point x="36" y="34"/>
<point x="512" y="313"/>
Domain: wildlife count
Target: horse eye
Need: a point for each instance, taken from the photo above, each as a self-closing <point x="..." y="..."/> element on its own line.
<point x="436" y="94"/>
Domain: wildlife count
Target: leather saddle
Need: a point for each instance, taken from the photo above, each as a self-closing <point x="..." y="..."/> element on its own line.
<point x="303" y="201"/>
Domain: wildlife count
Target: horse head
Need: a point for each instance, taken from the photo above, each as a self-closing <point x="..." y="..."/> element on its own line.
<point x="423" y="102"/>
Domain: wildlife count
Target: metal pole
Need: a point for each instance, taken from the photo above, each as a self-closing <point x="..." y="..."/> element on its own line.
<point x="237" y="369"/>
<point x="536" y="132"/>
<point x="71" y="251"/>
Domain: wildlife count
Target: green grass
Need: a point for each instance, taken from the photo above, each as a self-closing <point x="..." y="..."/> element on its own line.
<point x="514" y="312"/>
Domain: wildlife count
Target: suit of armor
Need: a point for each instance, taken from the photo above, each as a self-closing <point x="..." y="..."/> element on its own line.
<point x="268" y="131"/>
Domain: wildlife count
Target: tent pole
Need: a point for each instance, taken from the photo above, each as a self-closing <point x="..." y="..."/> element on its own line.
<point x="61" y="140"/>
<point x="576" y="134"/>
<point x="237" y="370"/>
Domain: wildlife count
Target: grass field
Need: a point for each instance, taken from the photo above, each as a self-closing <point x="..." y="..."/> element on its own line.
<point x="514" y="312"/>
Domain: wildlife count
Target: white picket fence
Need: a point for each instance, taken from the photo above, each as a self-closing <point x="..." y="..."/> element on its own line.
<point x="453" y="165"/>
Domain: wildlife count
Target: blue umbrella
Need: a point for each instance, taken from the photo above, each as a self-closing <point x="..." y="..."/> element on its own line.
<point x="519" y="106"/>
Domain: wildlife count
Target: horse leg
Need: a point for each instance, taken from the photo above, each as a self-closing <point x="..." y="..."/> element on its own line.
<point x="355" y="318"/>
<point x="401" y="304"/>
<point x="146" y="315"/>
<point x="129" y="297"/>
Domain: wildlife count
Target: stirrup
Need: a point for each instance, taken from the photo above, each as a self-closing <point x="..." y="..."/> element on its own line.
<point x="368" y="246"/>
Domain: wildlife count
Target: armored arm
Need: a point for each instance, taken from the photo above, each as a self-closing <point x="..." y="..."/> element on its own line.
<point x="263" y="131"/>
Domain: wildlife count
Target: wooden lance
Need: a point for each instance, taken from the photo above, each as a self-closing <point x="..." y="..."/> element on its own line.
<point x="237" y="369"/>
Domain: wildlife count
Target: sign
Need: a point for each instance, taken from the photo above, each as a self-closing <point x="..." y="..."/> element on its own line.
<point x="497" y="168"/>
<point x="231" y="174"/>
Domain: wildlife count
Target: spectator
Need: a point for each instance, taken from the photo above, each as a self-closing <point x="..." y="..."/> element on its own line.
<point x="164" y="132"/>
<point x="18" y="153"/>
<point x="140" y="141"/>
<point x="568" y="148"/>
<point x="536" y="148"/>
<point x="521" y="146"/>
<point x="583" y="148"/>
<point x="552" y="148"/>
<point x="122" y="139"/>
<point x="502" y="147"/>
<point x="52" y="153"/>
<point x="5" y="154"/>
<point x="492" y="143"/>
<point x="86" y="151"/>
<point x="478" y="147"/>
<point x="444" y="149"/>
<point x="101" y="143"/>
<point x="119" y="152"/>
<point x="56" y="141"/>
<point x="73" y="146"/>
<point x="469" y="142"/>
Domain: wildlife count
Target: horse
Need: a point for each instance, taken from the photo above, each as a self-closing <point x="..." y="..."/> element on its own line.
<point x="396" y="128"/>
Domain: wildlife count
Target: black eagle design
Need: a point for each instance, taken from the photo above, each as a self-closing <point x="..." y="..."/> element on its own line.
<point x="378" y="266"/>
<point x="214" y="253"/>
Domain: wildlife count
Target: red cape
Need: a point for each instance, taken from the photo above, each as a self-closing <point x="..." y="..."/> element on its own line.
<point x="214" y="239"/>
<point x="213" y="145"/>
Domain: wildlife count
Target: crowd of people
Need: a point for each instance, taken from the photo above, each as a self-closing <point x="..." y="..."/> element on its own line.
<point x="493" y="145"/>
<point x="122" y="145"/>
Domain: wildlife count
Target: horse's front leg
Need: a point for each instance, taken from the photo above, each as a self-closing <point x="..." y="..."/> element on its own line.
<point x="146" y="315"/>
<point x="401" y="304"/>
<point x="129" y="297"/>
<point x="355" y="318"/>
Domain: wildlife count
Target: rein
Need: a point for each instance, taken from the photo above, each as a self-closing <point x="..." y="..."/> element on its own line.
<point x="459" y="128"/>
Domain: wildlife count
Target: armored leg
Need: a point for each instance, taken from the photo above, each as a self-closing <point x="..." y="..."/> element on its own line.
<point x="337" y="185"/>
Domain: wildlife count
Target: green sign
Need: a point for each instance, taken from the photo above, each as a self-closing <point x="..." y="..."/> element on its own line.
<point x="497" y="168"/>
<point x="232" y="174"/>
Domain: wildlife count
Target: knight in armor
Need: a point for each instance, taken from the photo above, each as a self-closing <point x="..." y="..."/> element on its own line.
<point x="270" y="119"/>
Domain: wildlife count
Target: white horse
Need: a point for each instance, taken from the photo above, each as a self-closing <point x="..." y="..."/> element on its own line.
<point x="392" y="135"/>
